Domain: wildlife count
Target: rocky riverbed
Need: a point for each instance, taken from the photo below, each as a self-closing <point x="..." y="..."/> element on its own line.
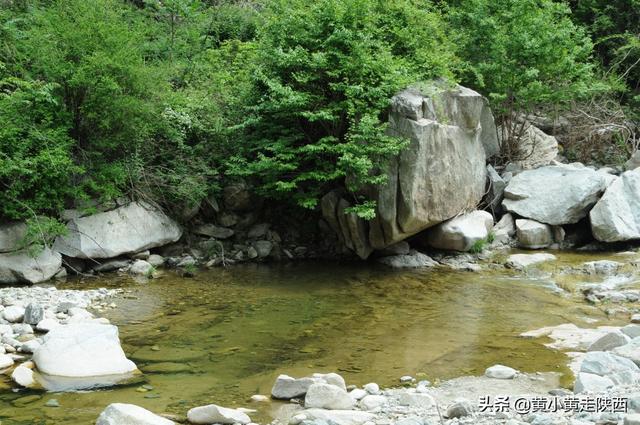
<point x="77" y="310"/>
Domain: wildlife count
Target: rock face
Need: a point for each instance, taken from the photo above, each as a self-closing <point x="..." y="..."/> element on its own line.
<point x="535" y="147"/>
<point x="533" y="235"/>
<point x="462" y="232"/>
<point x="440" y="174"/>
<point x="128" y="229"/>
<point x="82" y="350"/>
<point x="558" y="194"/>
<point x="21" y="267"/>
<point x="616" y="216"/>
<point x="129" y="414"/>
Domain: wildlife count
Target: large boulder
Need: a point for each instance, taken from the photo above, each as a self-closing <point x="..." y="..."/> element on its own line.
<point x="287" y="387"/>
<point x="23" y="267"/>
<point x="461" y="233"/>
<point x="619" y="369"/>
<point x="130" y="414"/>
<point x="82" y="350"/>
<point x="556" y="195"/>
<point x="132" y="228"/>
<point x="494" y="191"/>
<point x="440" y="174"/>
<point x="616" y="216"/>
<point x="534" y="147"/>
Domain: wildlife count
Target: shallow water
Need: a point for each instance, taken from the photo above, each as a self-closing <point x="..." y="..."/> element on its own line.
<point x="226" y="334"/>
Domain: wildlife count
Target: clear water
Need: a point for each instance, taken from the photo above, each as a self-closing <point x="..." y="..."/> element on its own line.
<point x="227" y="333"/>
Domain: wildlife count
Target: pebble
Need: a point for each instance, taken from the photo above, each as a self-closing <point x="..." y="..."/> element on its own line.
<point x="259" y="398"/>
<point x="500" y="372"/>
<point x="406" y="379"/>
<point x="52" y="403"/>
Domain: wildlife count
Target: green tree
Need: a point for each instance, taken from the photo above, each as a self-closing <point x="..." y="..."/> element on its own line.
<point x="325" y="72"/>
<point x="524" y="54"/>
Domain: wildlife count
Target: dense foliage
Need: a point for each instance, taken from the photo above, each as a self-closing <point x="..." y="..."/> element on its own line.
<point x="169" y="99"/>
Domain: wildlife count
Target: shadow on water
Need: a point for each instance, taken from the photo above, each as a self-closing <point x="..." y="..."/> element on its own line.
<point x="226" y="334"/>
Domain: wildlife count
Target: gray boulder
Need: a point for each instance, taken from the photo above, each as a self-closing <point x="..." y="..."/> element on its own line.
<point x="504" y="230"/>
<point x="533" y="235"/>
<point x="609" y="341"/>
<point x="495" y="190"/>
<point x="412" y="260"/>
<point x="33" y="313"/>
<point x="213" y="231"/>
<point x="132" y="228"/>
<point x="558" y="194"/>
<point x="522" y="261"/>
<point x="22" y="267"/>
<point x="440" y="174"/>
<point x="461" y="233"/>
<point x="616" y="216"/>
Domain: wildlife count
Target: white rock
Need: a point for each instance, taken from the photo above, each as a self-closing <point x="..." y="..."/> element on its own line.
<point x="372" y="388"/>
<point x="533" y="235"/>
<point x="604" y="267"/>
<point x="30" y="347"/>
<point x="132" y="228"/>
<point x="340" y="417"/>
<point x="23" y="376"/>
<point x="357" y="394"/>
<point x="327" y="396"/>
<point x="616" y="216"/>
<point x="286" y="387"/>
<point x="500" y="372"/>
<point x="212" y="414"/>
<point x="536" y="147"/>
<point x="589" y="382"/>
<point x="22" y="267"/>
<point x="332" y="379"/>
<point x="129" y="414"/>
<point x="461" y="233"/>
<point x="259" y="398"/>
<point x="5" y="361"/>
<point x="372" y="402"/>
<point x="13" y="313"/>
<point x="556" y="195"/>
<point x="522" y="261"/>
<point x="82" y="350"/>
<point x="416" y="400"/>
<point x="45" y="325"/>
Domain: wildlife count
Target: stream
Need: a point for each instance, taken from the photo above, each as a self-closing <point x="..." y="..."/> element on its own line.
<point x="226" y="334"/>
